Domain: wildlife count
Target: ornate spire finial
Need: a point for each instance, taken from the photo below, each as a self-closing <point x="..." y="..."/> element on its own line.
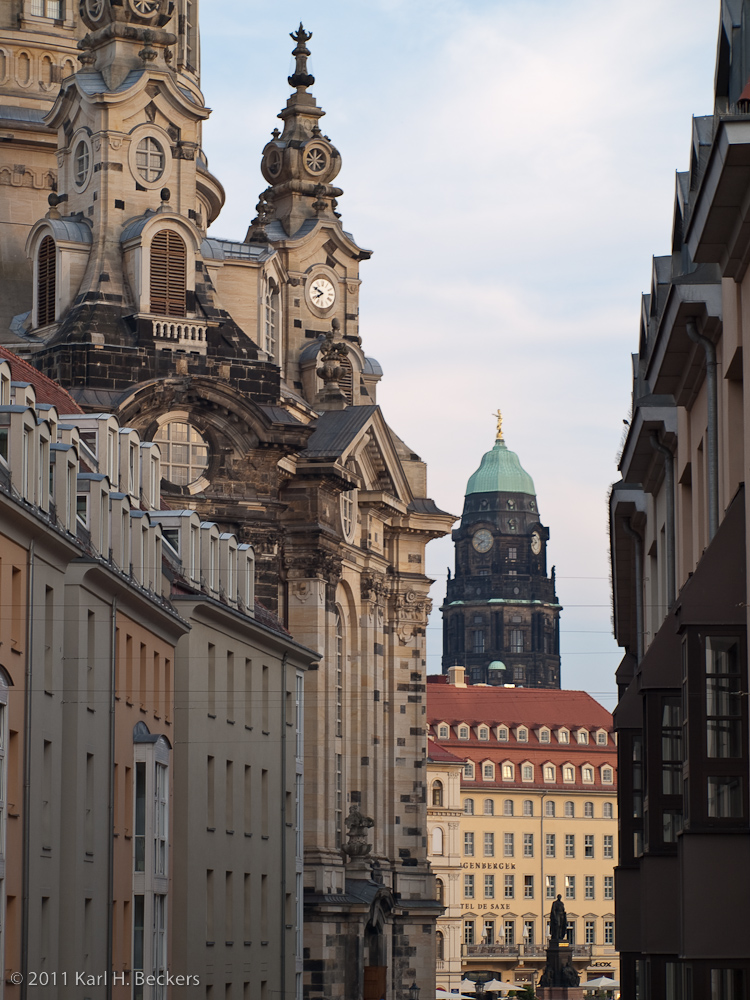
<point x="300" y="77"/>
<point x="499" y="417"/>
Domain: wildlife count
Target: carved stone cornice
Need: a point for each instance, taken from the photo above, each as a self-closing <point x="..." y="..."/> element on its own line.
<point x="313" y="565"/>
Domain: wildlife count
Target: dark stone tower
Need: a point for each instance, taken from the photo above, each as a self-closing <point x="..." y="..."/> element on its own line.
<point x="501" y="616"/>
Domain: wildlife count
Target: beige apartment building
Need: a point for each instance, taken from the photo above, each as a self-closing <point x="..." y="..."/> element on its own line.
<point x="118" y="689"/>
<point x="530" y="814"/>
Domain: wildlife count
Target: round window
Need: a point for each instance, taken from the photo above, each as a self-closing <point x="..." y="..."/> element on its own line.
<point x="81" y="163"/>
<point x="274" y="162"/>
<point x="184" y="452"/>
<point x="149" y="159"/>
<point x="315" y="160"/>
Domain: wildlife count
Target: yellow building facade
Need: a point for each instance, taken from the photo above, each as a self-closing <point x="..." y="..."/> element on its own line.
<point x="532" y="815"/>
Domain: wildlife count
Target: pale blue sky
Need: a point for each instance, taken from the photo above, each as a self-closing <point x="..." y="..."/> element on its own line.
<point x="511" y="165"/>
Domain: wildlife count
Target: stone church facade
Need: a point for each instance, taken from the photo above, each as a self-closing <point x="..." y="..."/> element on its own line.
<point x="501" y="617"/>
<point x="243" y="361"/>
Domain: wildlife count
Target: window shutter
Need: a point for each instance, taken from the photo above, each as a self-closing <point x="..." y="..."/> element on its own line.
<point x="345" y="379"/>
<point x="168" y="274"/>
<point x="45" y="306"/>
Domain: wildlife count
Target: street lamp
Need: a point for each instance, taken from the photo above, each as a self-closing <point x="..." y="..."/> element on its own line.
<point x="414" y="991"/>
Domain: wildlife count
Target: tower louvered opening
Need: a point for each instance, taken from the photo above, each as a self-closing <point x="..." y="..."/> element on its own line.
<point x="46" y="278"/>
<point x="168" y="274"/>
<point x="345" y="379"/>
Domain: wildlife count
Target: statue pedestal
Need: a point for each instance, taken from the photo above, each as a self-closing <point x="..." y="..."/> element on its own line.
<point x="558" y="974"/>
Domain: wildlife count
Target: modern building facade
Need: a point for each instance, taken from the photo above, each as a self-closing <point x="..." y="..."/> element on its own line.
<point x="102" y="688"/>
<point x="679" y="561"/>
<point x="501" y="615"/>
<point x="522" y="808"/>
<point x="243" y="362"/>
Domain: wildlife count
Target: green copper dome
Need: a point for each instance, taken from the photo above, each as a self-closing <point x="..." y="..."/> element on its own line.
<point x="500" y="472"/>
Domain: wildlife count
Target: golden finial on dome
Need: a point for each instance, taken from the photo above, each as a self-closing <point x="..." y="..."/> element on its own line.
<point x="499" y="417"/>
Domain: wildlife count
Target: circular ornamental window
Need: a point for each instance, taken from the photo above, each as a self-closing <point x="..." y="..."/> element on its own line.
<point x="149" y="159"/>
<point x="184" y="452"/>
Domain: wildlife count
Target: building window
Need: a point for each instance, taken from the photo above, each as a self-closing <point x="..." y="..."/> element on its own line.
<point x="583" y="737"/>
<point x="569" y="773"/>
<point x="468" y="886"/>
<point x="168" y="276"/>
<point x="439" y="890"/>
<point x="507" y="772"/>
<point x="601" y="739"/>
<point x="550" y="884"/>
<point x="589" y="935"/>
<point x="723" y="699"/>
<point x="570" y="887"/>
<point x="81" y="160"/>
<point x="516" y="640"/>
<point x="528" y="932"/>
<point x="527" y="772"/>
<point x="570" y="845"/>
<point x="508" y="807"/>
<point x="468" y="932"/>
<point x="469" y="770"/>
<point x="588" y="886"/>
<point x="609" y="932"/>
<point x="607" y="775"/>
<point x="489" y="845"/>
<point x="45" y="282"/>
<point x="588" y="810"/>
<point x="724" y="797"/>
<point x="437" y="793"/>
<point x="161" y="813"/>
<point x="549" y="845"/>
<point x="484" y="733"/>
<point x="469" y="807"/>
<point x="528" y="807"/>
<point x="463" y="732"/>
<point x="443" y="733"/>
<point x="512" y="553"/>
<point x="439" y="946"/>
<point x="437" y="840"/>
<point x="528" y="845"/>
<point x="609" y="846"/>
<point x="609" y="887"/>
<point x="528" y="888"/>
<point x="587" y="774"/>
<point x="544" y="736"/>
<point x="489" y="886"/>
<point x="47" y="8"/>
<point x="469" y="845"/>
<point x="488" y="935"/>
<point x="522" y="736"/>
<point x="510" y="887"/>
<point x="149" y="160"/>
<point x="549" y="772"/>
<point x="478" y="642"/>
<point x="570" y="809"/>
<point x="563" y="736"/>
<point x="508" y="845"/>
<point x="270" y="318"/>
<point x="588" y="846"/>
<point x="488" y="772"/>
<point x="502" y="733"/>
<point x="549" y="809"/>
<point x="509" y="933"/>
<point x="489" y="807"/>
<point x="607" y="810"/>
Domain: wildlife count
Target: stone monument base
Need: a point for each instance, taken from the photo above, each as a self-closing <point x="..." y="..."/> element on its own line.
<point x="560" y="993"/>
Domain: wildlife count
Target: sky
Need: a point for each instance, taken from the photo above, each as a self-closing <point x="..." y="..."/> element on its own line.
<point x="511" y="165"/>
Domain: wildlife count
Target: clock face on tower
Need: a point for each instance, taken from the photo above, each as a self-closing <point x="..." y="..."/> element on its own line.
<point x="482" y="540"/>
<point x="322" y="293"/>
<point x="536" y="543"/>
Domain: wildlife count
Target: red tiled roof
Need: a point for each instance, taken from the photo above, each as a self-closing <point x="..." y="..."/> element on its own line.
<point x="46" y="390"/>
<point x="513" y="706"/>
<point x="438" y="752"/>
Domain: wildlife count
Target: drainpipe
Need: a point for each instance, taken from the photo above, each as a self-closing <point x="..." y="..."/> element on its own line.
<point x="282" y="970"/>
<point x="669" y="489"/>
<point x="111" y="804"/>
<point x="26" y="843"/>
<point x="638" y="588"/>
<point x="712" y="431"/>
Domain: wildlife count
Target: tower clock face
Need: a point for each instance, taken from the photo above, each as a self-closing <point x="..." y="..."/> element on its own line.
<point x="536" y="543"/>
<point x="482" y="540"/>
<point x="322" y="293"/>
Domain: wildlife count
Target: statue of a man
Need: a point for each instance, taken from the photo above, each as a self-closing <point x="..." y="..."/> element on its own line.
<point x="558" y="920"/>
<point x="356" y="826"/>
<point x="569" y="975"/>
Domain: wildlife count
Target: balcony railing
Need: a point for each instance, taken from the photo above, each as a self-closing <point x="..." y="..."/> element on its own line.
<point x="180" y="333"/>
<point x="518" y="951"/>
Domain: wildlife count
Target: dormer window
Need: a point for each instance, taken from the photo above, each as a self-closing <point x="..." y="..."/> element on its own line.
<point x="601" y="738"/>
<point x="168" y="273"/>
<point x="563" y="736"/>
<point x="549" y="772"/>
<point x="508" y="771"/>
<point x="522" y="735"/>
<point x="443" y="732"/>
<point x="483" y="733"/>
<point x="607" y="775"/>
<point x="463" y="732"/>
<point x="502" y="733"/>
<point x="469" y="770"/>
<point x="583" y="737"/>
<point x="527" y="772"/>
<point x="544" y="736"/>
<point x="587" y="774"/>
<point x="488" y="771"/>
<point x="569" y="773"/>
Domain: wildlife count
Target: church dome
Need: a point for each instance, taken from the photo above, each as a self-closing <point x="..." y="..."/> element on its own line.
<point x="500" y="472"/>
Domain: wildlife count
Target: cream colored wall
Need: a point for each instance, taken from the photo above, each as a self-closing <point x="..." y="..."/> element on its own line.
<point x="447" y="866"/>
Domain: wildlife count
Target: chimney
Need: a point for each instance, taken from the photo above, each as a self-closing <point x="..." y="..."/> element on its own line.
<point x="456" y="676"/>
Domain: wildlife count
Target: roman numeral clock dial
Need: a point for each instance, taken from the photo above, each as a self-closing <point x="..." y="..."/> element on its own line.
<point x="322" y="293"/>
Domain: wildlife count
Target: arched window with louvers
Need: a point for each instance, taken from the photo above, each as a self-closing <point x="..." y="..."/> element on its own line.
<point x="168" y="279"/>
<point x="46" y="282"/>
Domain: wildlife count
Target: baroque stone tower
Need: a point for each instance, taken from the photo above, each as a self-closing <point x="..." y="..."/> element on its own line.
<point x="501" y="615"/>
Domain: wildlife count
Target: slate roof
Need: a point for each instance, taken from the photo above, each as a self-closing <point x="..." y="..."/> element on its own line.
<point x="46" y="390"/>
<point x="14" y="114"/>
<point x="93" y="82"/>
<point x="336" y="429"/>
